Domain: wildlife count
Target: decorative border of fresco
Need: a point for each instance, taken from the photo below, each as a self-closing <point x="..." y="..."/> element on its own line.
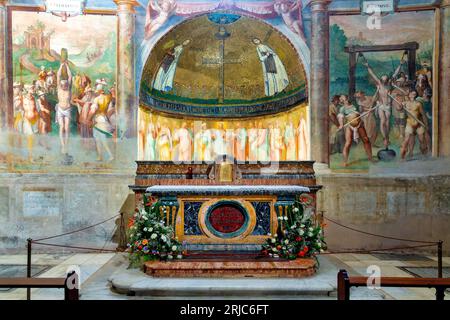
<point x="224" y="111"/>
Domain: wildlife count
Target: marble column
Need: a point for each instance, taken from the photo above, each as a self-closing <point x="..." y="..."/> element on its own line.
<point x="319" y="81"/>
<point x="3" y="76"/>
<point x="126" y="99"/>
<point x="444" y="81"/>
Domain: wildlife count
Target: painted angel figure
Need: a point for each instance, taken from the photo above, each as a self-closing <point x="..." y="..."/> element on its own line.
<point x="291" y="13"/>
<point x="164" y="10"/>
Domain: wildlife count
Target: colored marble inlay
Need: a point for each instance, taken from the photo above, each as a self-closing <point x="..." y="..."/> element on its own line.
<point x="226" y="219"/>
<point x="262" y="210"/>
<point x="191" y="226"/>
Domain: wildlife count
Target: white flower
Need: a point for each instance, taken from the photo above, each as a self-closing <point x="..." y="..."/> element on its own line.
<point x="170" y="257"/>
<point x="286" y="241"/>
<point x="321" y="250"/>
<point x="163" y="238"/>
<point x="150" y="230"/>
<point x="280" y="218"/>
<point x="302" y="225"/>
<point x="179" y="256"/>
<point x="154" y="236"/>
<point x="285" y="218"/>
<point x="284" y="248"/>
<point x="319" y="244"/>
<point x="274" y="249"/>
<point x="269" y="234"/>
<point x="174" y="248"/>
<point x="273" y="240"/>
<point x="293" y="227"/>
<point x="310" y="234"/>
<point x="296" y="210"/>
<point x="276" y="256"/>
<point x="310" y="229"/>
<point x="301" y="232"/>
<point x="131" y="235"/>
<point x="145" y="229"/>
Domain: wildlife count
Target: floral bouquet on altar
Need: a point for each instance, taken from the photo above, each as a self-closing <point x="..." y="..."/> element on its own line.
<point x="149" y="236"/>
<point x="297" y="236"/>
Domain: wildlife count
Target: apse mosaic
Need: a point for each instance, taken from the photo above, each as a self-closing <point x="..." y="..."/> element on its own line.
<point x="282" y="137"/>
<point x="223" y="64"/>
<point x="389" y="114"/>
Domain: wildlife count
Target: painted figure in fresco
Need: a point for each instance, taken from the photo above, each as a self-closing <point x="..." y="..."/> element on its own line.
<point x="30" y="117"/>
<point x="45" y="117"/>
<point x="275" y="76"/>
<point x="164" y="10"/>
<point x="384" y="101"/>
<point x="241" y="142"/>
<point x="103" y="130"/>
<point x="253" y="142"/>
<point x="84" y="123"/>
<point x="416" y="124"/>
<point x="184" y="138"/>
<point x="218" y="136"/>
<point x="18" y="107"/>
<point x="291" y="14"/>
<point x="41" y="82"/>
<point x="50" y="81"/>
<point x="399" y="95"/>
<point x="111" y="112"/>
<point x="150" y="140"/>
<point x="302" y="140"/>
<point x="276" y="142"/>
<point x="263" y="142"/>
<point x="349" y="117"/>
<point x="64" y="107"/>
<point x="365" y="105"/>
<point x="166" y="72"/>
<point x="289" y="141"/>
<point x="164" y="143"/>
<point x="199" y="145"/>
<point x="337" y="137"/>
<point x="141" y="138"/>
<point x="230" y="142"/>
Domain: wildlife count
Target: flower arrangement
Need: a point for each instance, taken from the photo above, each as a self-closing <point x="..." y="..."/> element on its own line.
<point x="149" y="237"/>
<point x="297" y="236"/>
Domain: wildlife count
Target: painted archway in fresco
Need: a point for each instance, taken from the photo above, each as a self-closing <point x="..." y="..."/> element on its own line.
<point x="226" y="80"/>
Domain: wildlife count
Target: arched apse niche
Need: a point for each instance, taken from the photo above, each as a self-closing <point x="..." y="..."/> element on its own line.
<point x="224" y="73"/>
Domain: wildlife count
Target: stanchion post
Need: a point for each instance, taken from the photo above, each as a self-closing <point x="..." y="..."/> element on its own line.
<point x="122" y="244"/>
<point x="29" y="242"/>
<point x="440" y="258"/>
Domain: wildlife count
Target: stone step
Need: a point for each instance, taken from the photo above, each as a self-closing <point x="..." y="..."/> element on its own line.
<point x="136" y="283"/>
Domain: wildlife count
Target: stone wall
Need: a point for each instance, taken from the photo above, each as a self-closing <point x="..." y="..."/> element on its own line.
<point x="39" y="205"/>
<point x="412" y="207"/>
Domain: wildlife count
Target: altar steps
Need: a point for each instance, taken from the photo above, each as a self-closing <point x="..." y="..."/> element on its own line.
<point x="133" y="282"/>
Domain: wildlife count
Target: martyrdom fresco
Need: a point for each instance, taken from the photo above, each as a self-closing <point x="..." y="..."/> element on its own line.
<point x="388" y="113"/>
<point x="283" y="137"/>
<point x="63" y="79"/>
<point x="223" y="59"/>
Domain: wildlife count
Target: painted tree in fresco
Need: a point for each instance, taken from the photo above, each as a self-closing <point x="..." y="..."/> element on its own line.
<point x="338" y="61"/>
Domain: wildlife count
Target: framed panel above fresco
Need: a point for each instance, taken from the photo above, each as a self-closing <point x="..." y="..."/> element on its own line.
<point x="62" y="76"/>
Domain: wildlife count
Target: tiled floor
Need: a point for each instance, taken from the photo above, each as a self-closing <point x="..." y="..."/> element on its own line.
<point x="96" y="269"/>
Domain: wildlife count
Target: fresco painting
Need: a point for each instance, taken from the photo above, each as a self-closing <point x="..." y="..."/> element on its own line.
<point x="63" y="92"/>
<point x="390" y="114"/>
<point x="283" y="137"/>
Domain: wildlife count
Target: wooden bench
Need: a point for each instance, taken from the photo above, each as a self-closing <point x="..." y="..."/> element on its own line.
<point x="59" y="283"/>
<point x="345" y="283"/>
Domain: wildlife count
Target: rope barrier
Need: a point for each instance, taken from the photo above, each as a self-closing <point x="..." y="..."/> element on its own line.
<point x="378" y="235"/>
<point x="79" y="230"/>
<point x="73" y="247"/>
<point x="376" y="250"/>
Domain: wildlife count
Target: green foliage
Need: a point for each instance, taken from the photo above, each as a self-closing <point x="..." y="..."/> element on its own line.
<point x="297" y="236"/>
<point x="149" y="237"/>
